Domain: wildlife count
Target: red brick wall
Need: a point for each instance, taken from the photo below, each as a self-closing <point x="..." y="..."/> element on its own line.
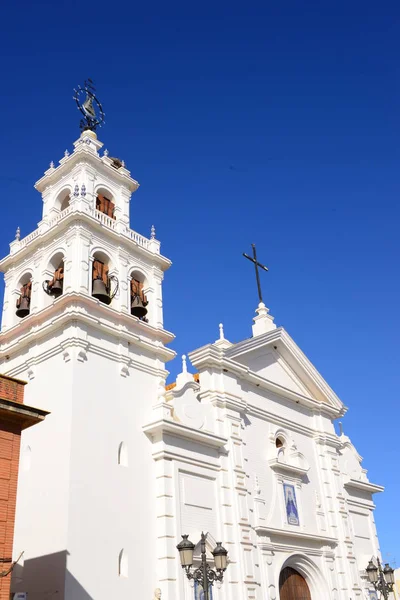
<point x="10" y="437"/>
<point x="11" y="389"/>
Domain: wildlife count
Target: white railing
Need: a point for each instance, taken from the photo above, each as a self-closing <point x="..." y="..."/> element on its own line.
<point x="28" y="238"/>
<point x="60" y="216"/>
<point x="105" y="219"/>
<point x="136" y="237"/>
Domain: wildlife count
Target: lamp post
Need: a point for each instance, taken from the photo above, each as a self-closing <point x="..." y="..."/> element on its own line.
<point x="204" y="574"/>
<point x="381" y="579"/>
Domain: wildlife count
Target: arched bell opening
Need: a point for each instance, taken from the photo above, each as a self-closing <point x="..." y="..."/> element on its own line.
<point x="55" y="285"/>
<point x="138" y="298"/>
<point x="23" y="303"/>
<point x="105" y="202"/>
<point x="104" y="285"/>
<point x="63" y="200"/>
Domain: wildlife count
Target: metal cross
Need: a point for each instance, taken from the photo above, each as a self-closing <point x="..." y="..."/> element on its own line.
<point x="256" y="265"/>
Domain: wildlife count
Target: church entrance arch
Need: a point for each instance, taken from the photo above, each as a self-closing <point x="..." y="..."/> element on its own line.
<point x="297" y="570"/>
<point x="292" y="585"/>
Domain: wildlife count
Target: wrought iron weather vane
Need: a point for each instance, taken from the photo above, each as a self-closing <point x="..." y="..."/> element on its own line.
<point x="89" y="105"/>
<point x="257" y="265"/>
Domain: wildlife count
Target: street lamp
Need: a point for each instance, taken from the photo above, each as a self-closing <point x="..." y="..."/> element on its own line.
<point x="381" y="579"/>
<point x="204" y="574"/>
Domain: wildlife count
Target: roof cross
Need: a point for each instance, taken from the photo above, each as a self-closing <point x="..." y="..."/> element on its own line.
<point x="257" y="265"/>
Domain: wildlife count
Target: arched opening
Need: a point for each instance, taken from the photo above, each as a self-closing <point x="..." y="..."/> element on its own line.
<point x="105" y="202"/>
<point x="292" y="585"/>
<point x="123" y="454"/>
<point x="280" y="445"/>
<point x="138" y="299"/>
<point x="104" y="285"/>
<point x="63" y="200"/>
<point x="55" y="286"/>
<point x="123" y="567"/>
<point x="302" y="565"/>
<point x="23" y="303"/>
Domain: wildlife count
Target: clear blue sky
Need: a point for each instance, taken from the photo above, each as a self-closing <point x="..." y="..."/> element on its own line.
<point x="268" y="122"/>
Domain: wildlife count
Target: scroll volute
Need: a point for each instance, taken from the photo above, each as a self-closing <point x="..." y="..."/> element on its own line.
<point x="105" y="205"/>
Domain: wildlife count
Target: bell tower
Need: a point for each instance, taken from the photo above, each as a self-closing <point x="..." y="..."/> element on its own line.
<point x="82" y="322"/>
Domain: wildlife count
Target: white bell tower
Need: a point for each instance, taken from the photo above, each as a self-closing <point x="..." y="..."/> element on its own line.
<point x="96" y="362"/>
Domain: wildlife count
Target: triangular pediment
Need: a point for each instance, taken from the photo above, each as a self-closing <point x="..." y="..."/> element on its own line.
<point x="275" y="357"/>
<point x="269" y="365"/>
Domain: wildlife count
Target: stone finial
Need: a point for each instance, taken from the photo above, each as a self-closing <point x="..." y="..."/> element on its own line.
<point x="106" y="152"/>
<point x="52" y="165"/>
<point x="153" y="232"/>
<point x="183" y="377"/>
<point x="18" y="234"/>
<point x="122" y="163"/>
<point x="66" y="153"/>
<point x="222" y="342"/>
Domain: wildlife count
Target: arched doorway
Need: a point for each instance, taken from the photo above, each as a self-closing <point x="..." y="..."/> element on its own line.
<point x="292" y="585"/>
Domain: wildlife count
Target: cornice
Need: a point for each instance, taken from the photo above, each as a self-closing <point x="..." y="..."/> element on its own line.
<point x="287" y="468"/>
<point x="159" y="428"/>
<point x="210" y="357"/>
<point x="81" y="155"/>
<point x="72" y="308"/>
<point x="58" y="229"/>
<point x="364" y="486"/>
<point x="320" y="539"/>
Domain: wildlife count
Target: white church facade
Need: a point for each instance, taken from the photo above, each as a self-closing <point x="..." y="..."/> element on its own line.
<point x="244" y="450"/>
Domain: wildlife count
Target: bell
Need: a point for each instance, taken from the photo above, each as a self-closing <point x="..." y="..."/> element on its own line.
<point x="100" y="291"/>
<point x="137" y="308"/>
<point x="56" y="289"/>
<point x="88" y="107"/>
<point x="23" y="308"/>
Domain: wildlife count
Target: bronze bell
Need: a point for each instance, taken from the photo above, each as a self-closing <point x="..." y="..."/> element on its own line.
<point x="56" y="289"/>
<point x="23" y="308"/>
<point x="138" y="309"/>
<point x="100" y="291"/>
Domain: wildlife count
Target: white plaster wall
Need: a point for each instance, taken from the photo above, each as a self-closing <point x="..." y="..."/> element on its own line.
<point x="111" y="507"/>
<point x="42" y="502"/>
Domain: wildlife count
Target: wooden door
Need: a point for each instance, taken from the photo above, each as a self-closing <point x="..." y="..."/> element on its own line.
<point x="292" y="586"/>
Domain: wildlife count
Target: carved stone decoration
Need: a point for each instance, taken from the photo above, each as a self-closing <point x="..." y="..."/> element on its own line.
<point x="157" y="594"/>
<point x="124" y="371"/>
<point x="31" y="373"/>
<point x="76" y="190"/>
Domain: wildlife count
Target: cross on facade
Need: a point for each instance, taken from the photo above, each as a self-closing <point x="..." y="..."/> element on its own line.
<point x="257" y="265"/>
